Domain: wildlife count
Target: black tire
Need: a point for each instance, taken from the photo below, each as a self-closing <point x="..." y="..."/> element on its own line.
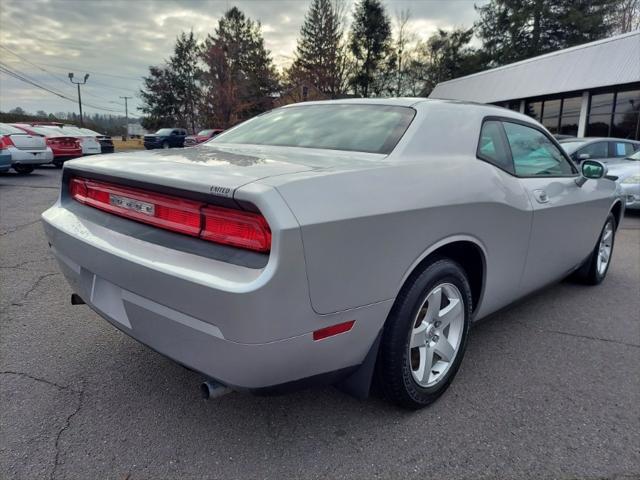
<point x="588" y="273"/>
<point x="23" y="169"/>
<point x="58" y="163"/>
<point x="394" y="369"/>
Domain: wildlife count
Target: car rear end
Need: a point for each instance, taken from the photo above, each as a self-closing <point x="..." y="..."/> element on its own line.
<point x="206" y="267"/>
<point x="106" y="144"/>
<point x="26" y="150"/>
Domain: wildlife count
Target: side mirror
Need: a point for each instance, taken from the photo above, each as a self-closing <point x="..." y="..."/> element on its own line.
<point x="591" y="169"/>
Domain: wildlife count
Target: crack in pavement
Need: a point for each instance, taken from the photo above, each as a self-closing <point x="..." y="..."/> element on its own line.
<point x="37" y="379"/>
<point x="29" y="291"/>
<point x="576" y="335"/>
<point x="18" y="227"/>
<point x="65" y="427"/>
<point x="26" y="262"/>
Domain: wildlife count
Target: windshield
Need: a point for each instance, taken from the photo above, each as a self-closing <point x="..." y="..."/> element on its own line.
<point x="571" y="147"/>
<point x="635" y="156"/>
<point x="205" y="133"/>
<point x="164" y="131"/>
<point x="351" y="127"/>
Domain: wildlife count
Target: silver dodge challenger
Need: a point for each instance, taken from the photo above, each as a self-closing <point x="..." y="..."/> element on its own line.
<point x="336" y="242"/>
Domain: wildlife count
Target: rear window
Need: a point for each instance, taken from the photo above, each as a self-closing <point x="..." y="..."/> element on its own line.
<point x="47" y="131"/>
<point x="9" y="130"/>
<point x="359" y="128"/>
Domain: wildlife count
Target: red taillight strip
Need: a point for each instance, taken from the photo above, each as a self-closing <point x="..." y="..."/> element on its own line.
<point x="237" y="228"/>
<point x="216" y="224"/>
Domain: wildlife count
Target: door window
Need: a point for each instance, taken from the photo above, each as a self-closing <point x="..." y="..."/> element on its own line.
<point x="534" y="154"/>
<point x="594" y="150"/>
<point x="492" y="147"/>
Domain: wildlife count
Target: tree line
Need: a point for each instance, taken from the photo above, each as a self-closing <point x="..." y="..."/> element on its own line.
<point x="230" y="75"/>
<point x="101" y="123"/>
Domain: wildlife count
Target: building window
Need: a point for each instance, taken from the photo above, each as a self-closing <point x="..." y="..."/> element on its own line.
<point x="570" y="115"/>
<point x="615" y="114"/>
<point x="534" y="110"/>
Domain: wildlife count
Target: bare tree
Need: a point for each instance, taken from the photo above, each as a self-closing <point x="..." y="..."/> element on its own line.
<point x="627" y="16"/>
<point x="403" y="37"/>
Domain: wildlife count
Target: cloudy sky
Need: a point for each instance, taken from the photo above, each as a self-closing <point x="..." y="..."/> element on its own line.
<point x="116" y="40"/>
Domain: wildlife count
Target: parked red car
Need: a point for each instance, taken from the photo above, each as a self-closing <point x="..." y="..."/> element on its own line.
<point x="64" y="147"/>
<point x="202" y="136"/>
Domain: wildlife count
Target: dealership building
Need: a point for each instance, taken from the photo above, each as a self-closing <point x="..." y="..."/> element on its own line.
<point x="591" y="90"/>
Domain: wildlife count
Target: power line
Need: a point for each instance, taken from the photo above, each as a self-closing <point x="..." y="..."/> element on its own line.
<point x="55" y="76"/>
<point x="51" y="74"/>
<point x="24" y="78"/>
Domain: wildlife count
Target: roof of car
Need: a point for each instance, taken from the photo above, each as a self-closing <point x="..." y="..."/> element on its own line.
<point x="596" y="139"/>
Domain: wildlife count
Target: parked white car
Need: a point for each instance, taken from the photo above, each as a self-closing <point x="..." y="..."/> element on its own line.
<point x="90" y="144"/>
<point x="26" y="150"/>
<point x="627" y="173"/>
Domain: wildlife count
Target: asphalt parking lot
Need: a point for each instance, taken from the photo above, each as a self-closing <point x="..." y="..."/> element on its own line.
<point x="549" y="388"/>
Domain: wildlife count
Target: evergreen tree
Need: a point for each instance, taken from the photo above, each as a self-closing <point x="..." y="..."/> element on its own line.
<point x="448" y="55"/>
<point x="513" y="30"/>
<point x="185" y="73"/>
<point x="370" y="43"/>
<point x="159" y="102"/>
<point x="239" y="74"/>
<point x="320" y="57"/>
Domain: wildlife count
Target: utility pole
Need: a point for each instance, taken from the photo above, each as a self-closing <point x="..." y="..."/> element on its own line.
<point x="126" y="116"/>
<point x="86" y="76"/>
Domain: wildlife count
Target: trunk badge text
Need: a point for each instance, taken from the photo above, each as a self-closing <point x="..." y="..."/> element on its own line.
<point x="131" y="204"/>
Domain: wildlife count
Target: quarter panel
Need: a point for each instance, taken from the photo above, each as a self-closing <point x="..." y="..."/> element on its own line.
<point x="363" y="230"/>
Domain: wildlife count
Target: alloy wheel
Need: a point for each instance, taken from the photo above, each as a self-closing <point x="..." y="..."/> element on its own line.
<point x="604" y="248"/>
<point x="436" y="334"/>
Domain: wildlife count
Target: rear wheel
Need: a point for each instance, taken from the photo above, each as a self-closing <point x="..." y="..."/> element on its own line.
<point x="595" y="269"/>
<point x="425" y="335"/>
<point x="58" y="163"/>
<point x="23" y="169"/>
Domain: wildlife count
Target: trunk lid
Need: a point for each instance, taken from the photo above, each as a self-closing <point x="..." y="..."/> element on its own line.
<point x="204" y="169"/>
<point x="28" y="142"/>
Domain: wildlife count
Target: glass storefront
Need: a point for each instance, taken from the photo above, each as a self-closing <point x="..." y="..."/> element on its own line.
<point x="558" y="115"/>
<point x="614" y="114"/>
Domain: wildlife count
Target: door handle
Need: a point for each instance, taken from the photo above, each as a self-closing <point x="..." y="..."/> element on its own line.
<point x="541" y="196"/>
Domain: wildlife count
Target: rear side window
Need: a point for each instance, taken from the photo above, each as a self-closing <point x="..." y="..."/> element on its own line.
<point x="492" y="146"/>
<point x="621" y="149"/>
<point x="534" y="154"/>
<point x="595" y="150"/>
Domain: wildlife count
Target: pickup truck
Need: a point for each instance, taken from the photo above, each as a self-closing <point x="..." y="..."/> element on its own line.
<point x="165" y="138"/>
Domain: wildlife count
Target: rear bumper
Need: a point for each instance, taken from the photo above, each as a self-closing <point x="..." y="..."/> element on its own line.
<point x="247" y="328"/>
<point x="5" y="161"/>
<point x="30" y="157"/>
